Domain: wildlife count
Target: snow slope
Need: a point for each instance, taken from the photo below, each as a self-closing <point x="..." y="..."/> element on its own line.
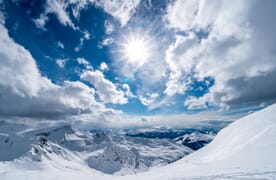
<point x="243" y="150"/>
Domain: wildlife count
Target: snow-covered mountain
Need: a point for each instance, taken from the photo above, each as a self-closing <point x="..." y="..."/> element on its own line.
<point x="243" y="150"/>
<point x="195" y="140"/>
<point x="111" y="152"/>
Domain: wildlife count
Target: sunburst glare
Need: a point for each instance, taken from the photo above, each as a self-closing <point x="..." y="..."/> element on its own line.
<point x="136" y="49"/>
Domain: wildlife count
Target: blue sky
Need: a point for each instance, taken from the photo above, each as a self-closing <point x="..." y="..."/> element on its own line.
<point x="139" y="58"/>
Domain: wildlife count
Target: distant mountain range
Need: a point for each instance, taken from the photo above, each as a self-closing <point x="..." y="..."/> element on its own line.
<point x="109" y="151"/>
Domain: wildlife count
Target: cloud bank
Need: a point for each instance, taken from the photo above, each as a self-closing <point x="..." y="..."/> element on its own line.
<point x="229" y="41"/>
<point x="25" y="92"/>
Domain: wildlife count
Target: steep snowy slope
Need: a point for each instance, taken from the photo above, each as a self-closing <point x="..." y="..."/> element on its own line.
<point x="244" y="149"/>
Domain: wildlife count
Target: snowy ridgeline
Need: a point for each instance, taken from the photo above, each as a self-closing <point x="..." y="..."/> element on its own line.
<point x="243" y="150"/>
<point x="112" y="152"/>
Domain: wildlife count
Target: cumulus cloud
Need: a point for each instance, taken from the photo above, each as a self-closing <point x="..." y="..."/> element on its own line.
<point x="195" y="103"/>
<point x="25" y="92"/>
<point x="179" y="61"/>
<point x="103" y="66"/>
<point x="105" y="89"/>
<point x="149" y="99"/>
<point x="231" y="42"/>
<point x="13" y="68"/>
<point x="127" y="90"/>
<point x="84" y="62"/>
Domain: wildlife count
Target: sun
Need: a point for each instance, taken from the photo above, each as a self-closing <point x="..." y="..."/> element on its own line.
<point x="136" y="49"/>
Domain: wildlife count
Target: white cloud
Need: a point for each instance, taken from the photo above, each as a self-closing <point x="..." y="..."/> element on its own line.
<point x="238" y="52"/>
<point x="154" y="100"/>
<point x="149" y="99"/>
<point x="25" y="92"/>
<point x="12" y="73"/>
<point x="84" y="62"/>
<point x="105" y="89"/>
<point x="179" y="60"/>
<point x="79" y="5"/>
<point x="121" y="120"/>
<point x="106" y="42"/>
<point x="103" y="66"/>
<point x="86" y="36"/>
<point x="59" y="8"/>
<point x="182" y="13"/>
<point x="41" y="21"/>
<point x="149" y="79"/>
<point x="60" y="45"/>
<point x="121" y="10"/>
<point x="127" y="90"/>
<point x="195" y="103"/>
<point x="61" y="62"/>
<point x="109" y="27"/>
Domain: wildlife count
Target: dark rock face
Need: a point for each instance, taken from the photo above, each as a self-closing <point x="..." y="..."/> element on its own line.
<point x="195" y="145"/>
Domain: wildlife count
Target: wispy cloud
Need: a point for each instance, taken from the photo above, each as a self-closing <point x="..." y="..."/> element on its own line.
<point x="121" y="10"/>
<point x="61" y="62"/>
